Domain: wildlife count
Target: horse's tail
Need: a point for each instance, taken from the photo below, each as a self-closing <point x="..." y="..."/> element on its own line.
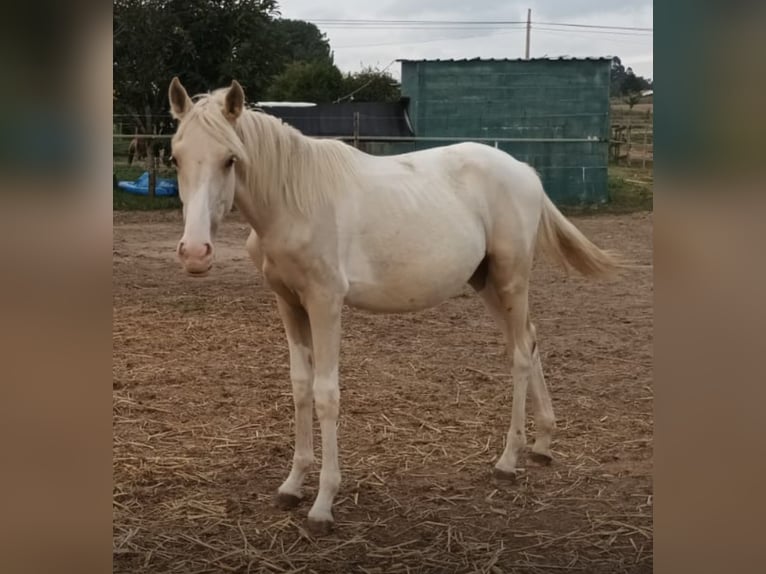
<point x="570" y="248"/>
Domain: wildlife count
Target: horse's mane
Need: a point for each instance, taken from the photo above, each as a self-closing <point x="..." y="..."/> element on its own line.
<point x="280" y="164"/>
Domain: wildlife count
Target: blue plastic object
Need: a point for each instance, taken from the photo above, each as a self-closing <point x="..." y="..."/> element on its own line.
<point x="162" y="188"/>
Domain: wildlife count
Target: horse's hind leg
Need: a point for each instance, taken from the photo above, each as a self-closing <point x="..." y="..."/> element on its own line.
<point x="507" y="301"/>
<point x="545" y="420"/>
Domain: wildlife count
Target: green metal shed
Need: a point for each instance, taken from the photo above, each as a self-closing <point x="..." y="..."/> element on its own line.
<point x="552" y="113"/>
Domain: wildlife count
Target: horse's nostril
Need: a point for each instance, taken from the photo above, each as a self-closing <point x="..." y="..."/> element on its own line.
<point x="208" y="249"/>
<point x="181" y="249"/>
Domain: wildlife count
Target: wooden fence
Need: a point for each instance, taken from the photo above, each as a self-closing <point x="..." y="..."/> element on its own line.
<point x="632" y="139"/>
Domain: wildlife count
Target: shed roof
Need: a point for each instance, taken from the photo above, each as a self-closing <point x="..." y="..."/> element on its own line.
<point x="376" y="119"/>
<point x="543" y="59"/>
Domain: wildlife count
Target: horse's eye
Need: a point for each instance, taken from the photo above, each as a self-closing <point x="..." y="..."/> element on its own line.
<point x="174" y="161"/>
<point x="230" y="162"/>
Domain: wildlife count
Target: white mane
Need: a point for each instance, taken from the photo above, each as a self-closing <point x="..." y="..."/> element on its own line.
<point x="280" y="164"/>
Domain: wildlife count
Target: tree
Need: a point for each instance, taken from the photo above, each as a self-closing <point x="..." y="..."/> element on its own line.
<point x="206" y="42"/>
<point x="316" y="82"/>
<point x="371" y="85"/>
<point x="624" y="81"/>
<point x="632" y="98"/>
<point x="632" y="84"/>
<point x="302" y="42"/>
<point x="617" y="76"/>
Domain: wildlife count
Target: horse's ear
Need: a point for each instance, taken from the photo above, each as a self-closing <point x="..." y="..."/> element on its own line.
<point x="235" y="101"/>
<point x="180" y="102"/>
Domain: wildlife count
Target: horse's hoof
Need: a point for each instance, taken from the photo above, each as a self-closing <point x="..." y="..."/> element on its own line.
<point x="319" y="527"/>
<point x="540" y="458"/>
<point x="286" y="501"/>
<point x="506" y="475"/>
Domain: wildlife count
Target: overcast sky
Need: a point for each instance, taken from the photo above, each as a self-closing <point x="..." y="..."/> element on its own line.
<point x="355" y="47"/>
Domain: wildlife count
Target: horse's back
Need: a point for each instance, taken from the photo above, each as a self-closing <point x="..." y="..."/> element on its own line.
<point x="416" y="232"/>
<point x="425" y="221"/>
<point x="462" y="187"/>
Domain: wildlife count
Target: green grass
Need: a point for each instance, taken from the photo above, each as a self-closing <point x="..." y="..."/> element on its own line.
<point x="630" y="190"/>
<point x="123" y="201"/>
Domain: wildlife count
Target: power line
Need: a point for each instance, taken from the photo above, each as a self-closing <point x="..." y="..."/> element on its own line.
<point x="348" y="22"/>
<point x="638" y="41"/>
<point x="601" y="32"/>
<point x="341" y="21"/>
<point x="365" y="84"/>
<point x="430" y="40"/>
<point x="417" y="27"/>
<point x="491" y="33"/>
<point x="486" y="28"/>
<point x="596" y="26"/>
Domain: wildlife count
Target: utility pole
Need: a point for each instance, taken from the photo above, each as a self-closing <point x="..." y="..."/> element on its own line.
<point x="529" y="27"/>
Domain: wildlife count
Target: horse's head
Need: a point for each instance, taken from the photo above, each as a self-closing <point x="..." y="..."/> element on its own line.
<point x="205" y="151"/>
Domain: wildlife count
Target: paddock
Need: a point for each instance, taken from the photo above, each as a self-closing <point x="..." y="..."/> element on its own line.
<point x="203" y="416"/>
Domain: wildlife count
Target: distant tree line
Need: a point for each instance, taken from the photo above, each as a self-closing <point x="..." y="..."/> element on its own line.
<point x="207" y="43"/>
<point x="210" y="42"/>
<point x="625" y="83"/>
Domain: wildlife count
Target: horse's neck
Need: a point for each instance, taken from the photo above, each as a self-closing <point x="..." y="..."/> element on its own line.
<point x="252" y="205"/>
<point x="259" y="198"/>
<point x="252" y="196"/>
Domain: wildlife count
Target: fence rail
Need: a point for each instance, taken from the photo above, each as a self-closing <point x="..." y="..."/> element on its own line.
<point x="155" y="156"/>
<point x="590" y="139"/>
<point x="632" y="139"/>
<point x="632" y="144"/>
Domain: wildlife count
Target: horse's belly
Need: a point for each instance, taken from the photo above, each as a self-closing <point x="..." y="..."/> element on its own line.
<point x="407" y="253"/>
<point x="391" y="285"/>
<point x="383" y="298"/>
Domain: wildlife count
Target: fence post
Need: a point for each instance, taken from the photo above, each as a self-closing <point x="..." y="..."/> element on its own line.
<point x="630" y="134"/>
<point x="356" y="130"/>
<point x="646" y="149"/>
<point x="152" y="172"/>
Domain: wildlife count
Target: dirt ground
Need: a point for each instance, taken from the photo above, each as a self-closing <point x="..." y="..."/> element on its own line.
<point x="203" y="424"/>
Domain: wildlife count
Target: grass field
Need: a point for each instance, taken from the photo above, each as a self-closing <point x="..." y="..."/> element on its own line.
<point x="630" y="189"/>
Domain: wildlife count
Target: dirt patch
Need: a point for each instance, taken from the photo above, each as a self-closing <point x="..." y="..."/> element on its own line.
<point x="203" y="423"/>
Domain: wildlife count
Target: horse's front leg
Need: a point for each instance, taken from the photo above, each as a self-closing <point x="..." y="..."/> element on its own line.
<point x="298" y="331"/>
<point x="324" y="314"/>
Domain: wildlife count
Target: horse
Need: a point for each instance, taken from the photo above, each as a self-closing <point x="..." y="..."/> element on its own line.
<point x="334" y="226"/>
<point x="141" y="147"/>
<point x="138" y="148"/>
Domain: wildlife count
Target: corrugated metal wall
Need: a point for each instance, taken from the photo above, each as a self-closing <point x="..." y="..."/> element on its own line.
<point x="539" y="98"/>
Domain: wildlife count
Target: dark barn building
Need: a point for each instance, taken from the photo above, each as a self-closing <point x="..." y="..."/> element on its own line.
<point x="373" y="122"/>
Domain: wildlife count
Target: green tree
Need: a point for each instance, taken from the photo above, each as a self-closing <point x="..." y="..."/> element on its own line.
<point x="633" y="84"/>
<point x="617" y="76"/>
<point x="624" y="81"/>
<point x="317" y="82"/>
<point x="206" y="42"/>
<point x="302" y="41"/>
<point x="371" y="85"/>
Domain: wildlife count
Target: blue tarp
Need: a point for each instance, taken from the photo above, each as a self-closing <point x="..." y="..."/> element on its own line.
<point x="163" y="187"/>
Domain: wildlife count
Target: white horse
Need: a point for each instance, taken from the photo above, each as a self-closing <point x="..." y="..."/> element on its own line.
<point x="332" y="225"/>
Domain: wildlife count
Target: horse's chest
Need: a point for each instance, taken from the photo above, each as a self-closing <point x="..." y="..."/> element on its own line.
<point x="280" y="280"/>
